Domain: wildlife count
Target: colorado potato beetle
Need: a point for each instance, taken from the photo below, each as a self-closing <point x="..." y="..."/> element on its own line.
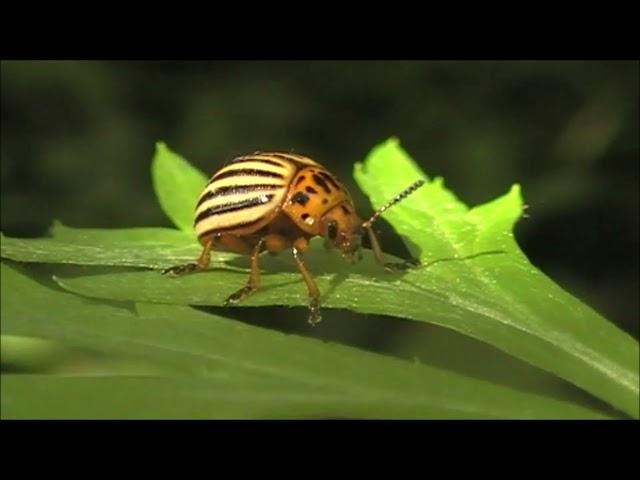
<point x="273" y="201"/>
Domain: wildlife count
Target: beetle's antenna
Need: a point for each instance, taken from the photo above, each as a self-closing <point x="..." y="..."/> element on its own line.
<point x="398" y="198"/>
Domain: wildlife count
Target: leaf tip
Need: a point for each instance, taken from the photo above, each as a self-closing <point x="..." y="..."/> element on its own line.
<point x="390" y="144"/>
<point x="56" y="225"/>
<point x="515" y="192"/>
<point x="160" y="149"/>
<point x="161" y="157"/>
<point x="162" y="152"/>
<point x="392" y="141"/>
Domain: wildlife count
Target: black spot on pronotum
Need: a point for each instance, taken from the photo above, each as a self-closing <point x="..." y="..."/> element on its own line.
<point x="330" y="179"/>
<point x="332" y="230"/>
<point x="310" y="190"/>
<point x="321" y="183"/>
<point x="304" y="216"/>
<point x="300" y="197"/>
<point x="325" y="201"/>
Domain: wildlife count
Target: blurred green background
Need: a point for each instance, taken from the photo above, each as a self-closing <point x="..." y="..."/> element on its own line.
<point x="78" y="137"/>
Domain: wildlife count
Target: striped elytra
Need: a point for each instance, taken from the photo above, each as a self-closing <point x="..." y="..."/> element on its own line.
<point x="275" y="201"/>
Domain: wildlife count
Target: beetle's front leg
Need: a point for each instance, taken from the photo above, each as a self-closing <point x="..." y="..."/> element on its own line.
<point x="314" y="293"/>
<point x="389" y="266"/>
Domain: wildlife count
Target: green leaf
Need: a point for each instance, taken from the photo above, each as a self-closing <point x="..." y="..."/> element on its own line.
<point x="211" y="367"/>
<point x="474" y="280"/>
<point x="131" y="247"/>
<point x="523" y="312"/>
<point x="367" y="291"/>
<point x="177" y="185"/>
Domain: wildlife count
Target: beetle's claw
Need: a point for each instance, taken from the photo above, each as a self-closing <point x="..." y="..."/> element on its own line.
<point x="314" y="314"/>
<point x="406" y="265"/>
<point x="239" y="295"/>
<point x="179" y="269"/>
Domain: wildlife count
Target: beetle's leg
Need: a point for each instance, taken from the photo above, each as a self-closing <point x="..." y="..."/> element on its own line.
<point x="254" y="278"/>
<point x="314" y="294"/>
<point x="390" y="266"/>
<point x="201" y="264"/>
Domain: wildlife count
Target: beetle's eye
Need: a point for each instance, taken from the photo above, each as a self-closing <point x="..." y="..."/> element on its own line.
<point x="332" y="230"/>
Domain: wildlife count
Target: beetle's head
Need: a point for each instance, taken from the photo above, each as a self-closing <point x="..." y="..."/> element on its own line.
<point x="341" y="227"/>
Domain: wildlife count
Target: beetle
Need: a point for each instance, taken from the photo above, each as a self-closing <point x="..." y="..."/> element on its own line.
<point x="274" y="201"/>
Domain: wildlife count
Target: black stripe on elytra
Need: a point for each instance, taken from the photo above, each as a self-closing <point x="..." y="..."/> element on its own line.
<point x="233" y="207"/>
<point x="330" y="179"/>
<point x="310" y="190"/>
<point x="321" y="183"/>
<point x="245" y="171"/>
<point x="234" y="189"/>
<point x="286" y="156"/>
<point x="300" y="179"/>
<point x="230" y="227"/>
<point x="261" y="160"/>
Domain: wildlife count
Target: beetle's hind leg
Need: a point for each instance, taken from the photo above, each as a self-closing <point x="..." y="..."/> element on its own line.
<point x="201" y="264"/>
<point x="389" y="266"/>
<point x="254" y="278"/>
